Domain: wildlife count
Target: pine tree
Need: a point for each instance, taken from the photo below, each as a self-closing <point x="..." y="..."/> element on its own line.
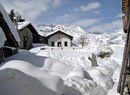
<point x="12" y="15"/>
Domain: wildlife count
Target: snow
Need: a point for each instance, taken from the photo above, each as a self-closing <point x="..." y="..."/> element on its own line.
<point x="50" y="82"/>
<point x="65" y="71"/>
<point x="105" y="81"/>
<point x="20" y="83"/>
<point x="2" y="38"/>
<point x="21" y="25"/>
<point x="73" y="30"/>
<point x="85" y="87"/>
<point x="9" y="23"/>
<point x="58" y="28"/>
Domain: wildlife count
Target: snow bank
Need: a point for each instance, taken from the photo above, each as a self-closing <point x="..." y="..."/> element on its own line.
<point x="105" y="81"/>
<point x="51" y="82"/>
<point x="115" y="78"/>
<point x="55" y="67"/>
<point x="113" y="91"/>
<point x="86" y="87"/>
<point x="51" y="65"/>
<point x="24" y="55"/>
<point x="77" y="71"/>
<point x="15" y="82"/>
<point x="116" y="74"/>
<point x="107" y="66"/>
<point x="69" y="56"/>
<point x="77" y="80"/>
<point x="105" y="70"/>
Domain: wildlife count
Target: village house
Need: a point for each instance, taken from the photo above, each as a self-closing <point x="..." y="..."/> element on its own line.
<point x="28" y="35"/>
<point x="9" y="36"/>
<point x="59" y="38"/>
<point x="56" y="38"/>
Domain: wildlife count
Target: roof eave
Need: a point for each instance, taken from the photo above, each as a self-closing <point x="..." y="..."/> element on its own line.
<point x="125" y="4"/>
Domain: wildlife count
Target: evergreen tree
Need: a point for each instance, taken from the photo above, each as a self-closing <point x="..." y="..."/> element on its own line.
<point x="12" y="15"/>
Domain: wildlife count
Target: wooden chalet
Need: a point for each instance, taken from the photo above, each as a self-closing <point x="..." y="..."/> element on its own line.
<point x="124" y="79"/>
<point x="10" y="45"/>
<point x="28" y="35"/>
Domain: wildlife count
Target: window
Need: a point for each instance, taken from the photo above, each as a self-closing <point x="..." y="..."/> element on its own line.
<point x="52" y="43"/>
<point x="66" y="43"/>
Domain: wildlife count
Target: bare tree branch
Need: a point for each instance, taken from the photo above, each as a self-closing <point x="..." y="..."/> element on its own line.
<point x="83" y="40"/>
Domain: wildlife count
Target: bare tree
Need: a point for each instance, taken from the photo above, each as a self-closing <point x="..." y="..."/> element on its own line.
<point x="83" y="40"/>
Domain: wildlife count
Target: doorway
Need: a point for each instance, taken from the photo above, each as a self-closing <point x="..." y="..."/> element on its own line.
<point x="59" y="44"/>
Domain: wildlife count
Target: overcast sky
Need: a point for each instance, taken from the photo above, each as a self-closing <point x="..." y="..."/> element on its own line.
<point x="92" y="15"/>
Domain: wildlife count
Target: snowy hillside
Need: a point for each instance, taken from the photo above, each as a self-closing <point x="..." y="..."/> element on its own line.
<point x="99" y="40"/>
<point x="67" y="71"/>
<point x="74" y="30"/>
<point x="96" y="39"/>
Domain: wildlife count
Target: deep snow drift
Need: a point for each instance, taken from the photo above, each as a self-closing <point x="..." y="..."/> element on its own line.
<point x="65" y="71"/>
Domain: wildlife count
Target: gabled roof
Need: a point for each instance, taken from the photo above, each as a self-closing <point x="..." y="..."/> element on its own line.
<point x="57" y="31"/>
<point x="58" y="27"/>
<point x="31" y="26"/>
<point x="9" y="24"/>
<point x="12" y="37"/>
<point x="22" y="25"/>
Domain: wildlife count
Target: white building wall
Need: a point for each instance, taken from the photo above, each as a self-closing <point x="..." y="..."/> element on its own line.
<point x="59" y="37"/>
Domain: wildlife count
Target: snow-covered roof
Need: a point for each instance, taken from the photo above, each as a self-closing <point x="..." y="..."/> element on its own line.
<point x="57" y="29"/>
<point x="9" y="23"/>
<point x="36" y="28"/>
<point x="21" y="25"/>
<point x="41" y="33"/>
<point x="2" y="37"/>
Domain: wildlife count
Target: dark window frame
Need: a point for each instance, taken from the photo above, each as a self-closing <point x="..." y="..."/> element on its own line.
<point x="52" y="43"/>
<point x="59" y="44"/>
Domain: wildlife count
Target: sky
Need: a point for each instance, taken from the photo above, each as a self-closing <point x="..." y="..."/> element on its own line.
<point x="91" y="15"/>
